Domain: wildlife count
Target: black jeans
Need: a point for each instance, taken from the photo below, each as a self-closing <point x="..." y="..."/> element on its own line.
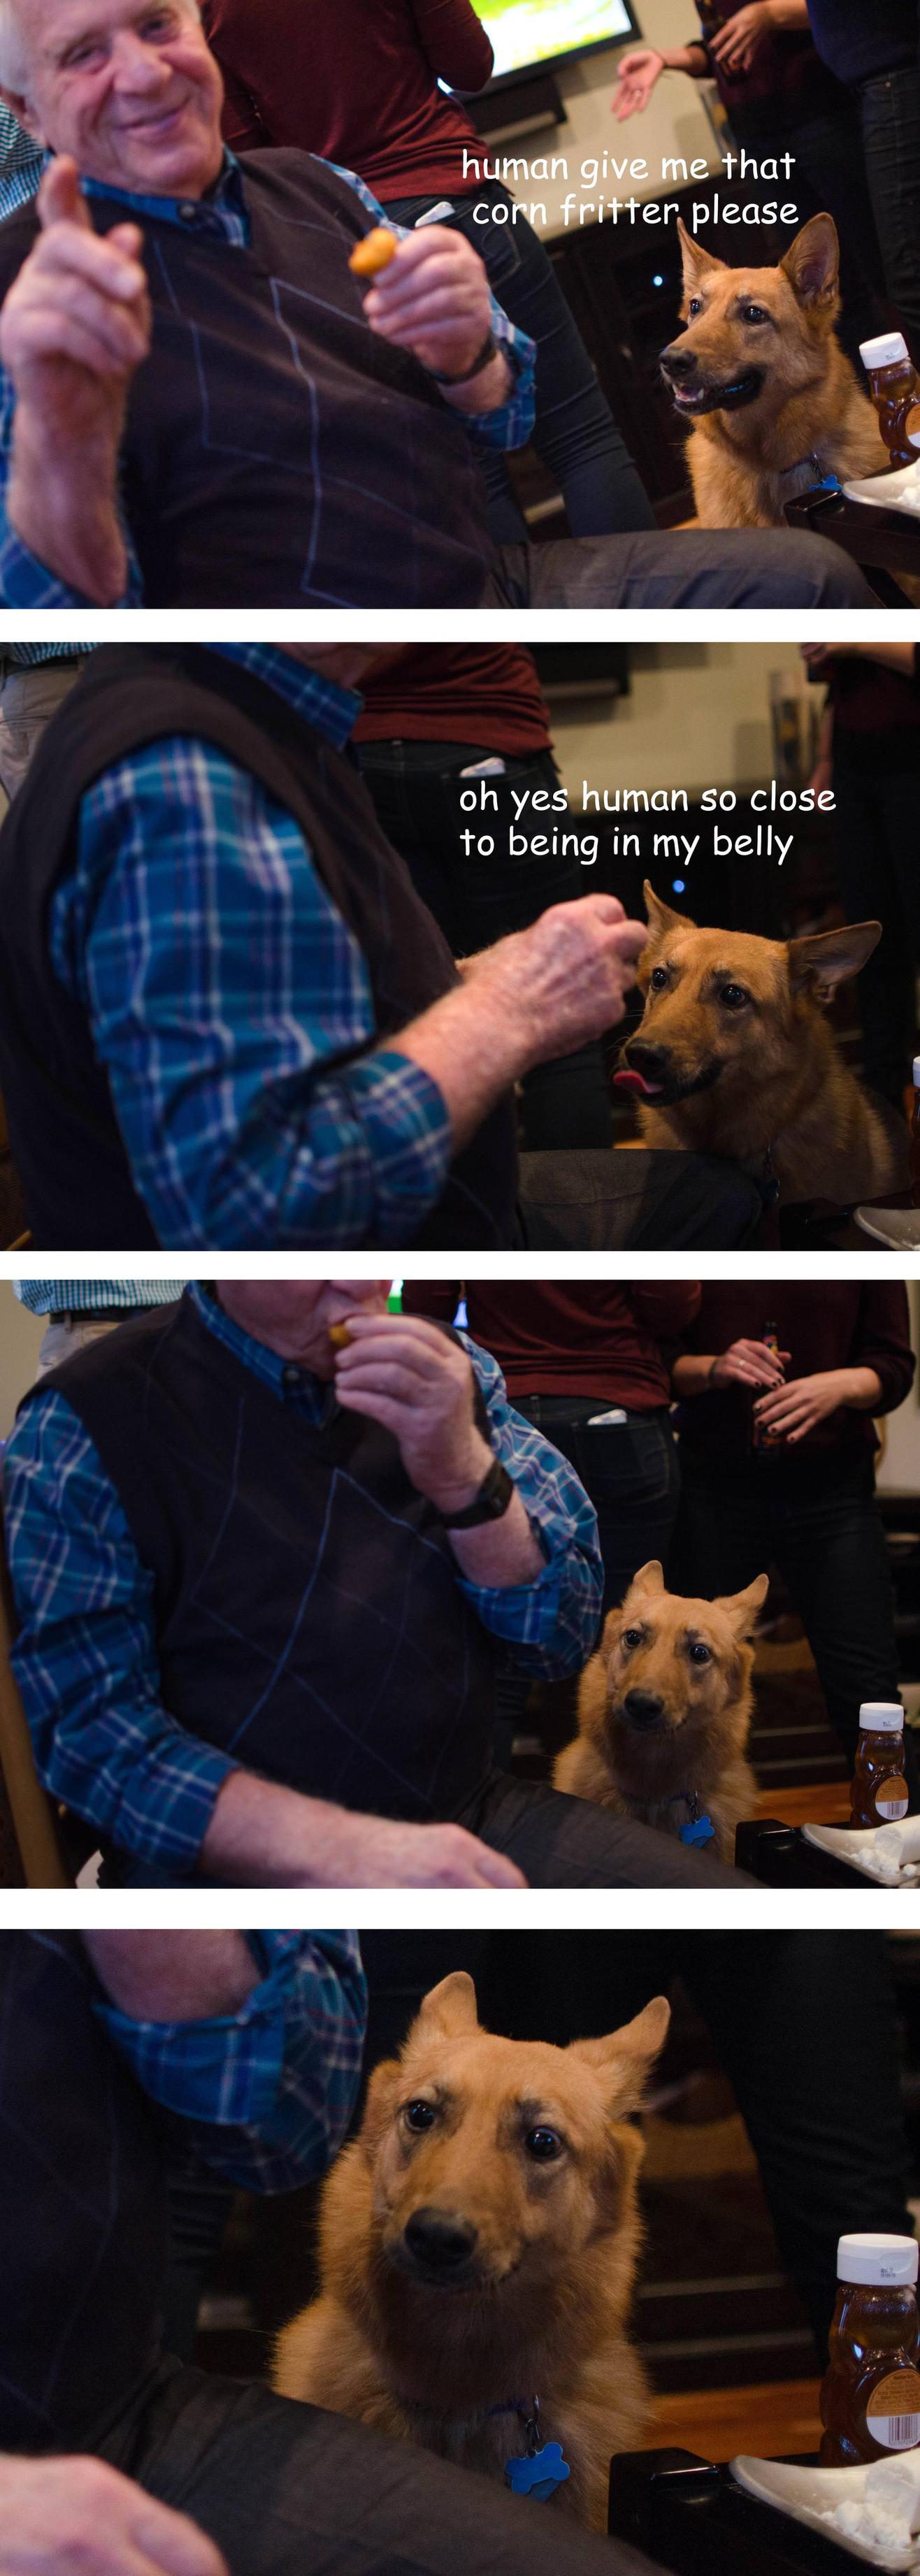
<point x="416" y="788"/>
<point x="821" y="1527"/>
<point x="630" y="1469"/>
<point x="574" y="429"/>
<point x="289" y="2490"/>
<point x="804" y="2024"/>
<point x="877" y="790"/>
<point x="891" y="143"/>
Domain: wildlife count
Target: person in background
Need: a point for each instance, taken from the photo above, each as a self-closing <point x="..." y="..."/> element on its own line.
<point x="806" y="1503"/>
<point x="471" y="723"/>
<point x="369" y="85"/>
<point x="874" y="50"/>
<point x="80" y="1310"/>
<point x="779" y="97"/>
<point x="869" y="753"/>
<point x="587" y="1361"/>
<point x="34" y="678"/>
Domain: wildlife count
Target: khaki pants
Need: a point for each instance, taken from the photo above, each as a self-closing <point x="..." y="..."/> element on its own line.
<point x="67" y="1334"/>
<point x="28" y="700"/>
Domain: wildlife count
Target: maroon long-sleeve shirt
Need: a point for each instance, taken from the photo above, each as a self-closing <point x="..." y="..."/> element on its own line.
<point x="357" y="82"/>
<point x="826" y="1324"/>
<point x="581" y="1337"/>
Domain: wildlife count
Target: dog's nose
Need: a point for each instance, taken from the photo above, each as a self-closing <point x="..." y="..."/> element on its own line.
<point x="677" y="361"/>
<point x="441" y="2242"/>
<point x="643" y="1708"/>
<point x="652" y="1061"/>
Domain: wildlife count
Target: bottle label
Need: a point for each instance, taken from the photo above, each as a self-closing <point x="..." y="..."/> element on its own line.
<point x="893" y="2411"/>
<point x="891" y="1800"/>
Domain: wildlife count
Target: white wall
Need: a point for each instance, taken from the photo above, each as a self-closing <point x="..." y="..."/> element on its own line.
<point x="674" y="124"/>
<point x="697" y="715"/>
<point x="20" y="1336"/>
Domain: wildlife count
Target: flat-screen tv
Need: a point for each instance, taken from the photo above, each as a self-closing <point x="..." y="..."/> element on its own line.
<point x="529" y="35"/>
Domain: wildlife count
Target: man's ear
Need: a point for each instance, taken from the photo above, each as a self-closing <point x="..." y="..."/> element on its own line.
<point x="696" y="260"/>
<point x="661" y="916"/>
<point x="449" y="2010"/>
<point x="818" y="964"/>
<point x="812" y="261"/>
<point x="627" y="2056"/>
<point x="24" y="114"/>
<point x="741" y="1608"/>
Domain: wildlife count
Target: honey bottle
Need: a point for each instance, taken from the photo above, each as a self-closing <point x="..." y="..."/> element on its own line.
<point x="895" y="390"/>
<point x="763" y="1437"/>
<point x="870" y="2395"/>
<point x="878" y="1789"/>
<point x="915" y="1138"/>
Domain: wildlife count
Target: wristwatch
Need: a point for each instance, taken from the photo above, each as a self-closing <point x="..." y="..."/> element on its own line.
<point x="483" y="359"/>
<point x="491" y="1502"/>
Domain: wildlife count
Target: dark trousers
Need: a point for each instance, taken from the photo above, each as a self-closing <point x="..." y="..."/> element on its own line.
<point x="631" y="1470"/>
<point x="824" y="1533"/>
<point x="891" y="144"/>
<point x="574" y="429"/>
<point x="603" y="1201"/>
<point x="691" y="568"/>
<point x="416" y="789"/>
<point x="560" y="1841"/>
<point x="288" y="2490"/>
<point x="875" y="839"/>
<point x="804" y="2024"/>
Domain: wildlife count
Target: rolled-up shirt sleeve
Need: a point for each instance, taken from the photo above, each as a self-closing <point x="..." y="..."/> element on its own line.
<point x="550" y="1624"/>
<point x="232" y="1009"/>
<point x="264" y="2094"/>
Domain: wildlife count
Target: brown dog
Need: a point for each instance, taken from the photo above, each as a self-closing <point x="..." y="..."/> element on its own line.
<point x="760" y="373"/>
<point x="477" y="2250"/>
<point x="733" y="1056"/>
<point x="664" y="1710"/>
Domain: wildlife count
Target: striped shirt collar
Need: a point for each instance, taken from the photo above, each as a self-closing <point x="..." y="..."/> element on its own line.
<point x="283" y="1378"/>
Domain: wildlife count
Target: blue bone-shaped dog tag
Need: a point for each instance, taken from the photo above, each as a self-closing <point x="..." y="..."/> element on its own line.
<point x="701" y="1831"/>
<point x="540" y="2474"/>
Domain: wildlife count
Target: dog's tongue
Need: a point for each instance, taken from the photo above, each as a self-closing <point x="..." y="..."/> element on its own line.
<point x="629" y="1080"/>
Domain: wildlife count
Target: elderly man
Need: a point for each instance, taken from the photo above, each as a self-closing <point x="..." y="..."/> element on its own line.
<point x="268" y="1551"/>
<point x="202" y="409"/>
<point x="226" y="1018"/>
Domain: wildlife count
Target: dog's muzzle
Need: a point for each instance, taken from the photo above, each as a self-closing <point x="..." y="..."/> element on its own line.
<point x="643" y="1712"/>
<point x="692" y="395"/>
<point x="649" y="1071"/>
<point x="438" y="2248"/>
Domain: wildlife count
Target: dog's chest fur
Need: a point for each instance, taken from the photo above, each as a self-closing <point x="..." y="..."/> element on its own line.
<point x="743" y="472"/>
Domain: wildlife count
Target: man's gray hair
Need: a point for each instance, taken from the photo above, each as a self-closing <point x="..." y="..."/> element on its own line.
<point x="14" y="44"/>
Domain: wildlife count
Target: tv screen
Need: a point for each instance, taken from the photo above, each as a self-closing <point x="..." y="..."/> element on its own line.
<point x="527" y="33"/>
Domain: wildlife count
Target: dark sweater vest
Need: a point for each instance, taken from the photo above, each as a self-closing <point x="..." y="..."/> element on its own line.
<point x="82" y="2218"/>
<point x="65" y="1138"/>
<point x="277" y="452"/>
<point x="308" y="1615"/>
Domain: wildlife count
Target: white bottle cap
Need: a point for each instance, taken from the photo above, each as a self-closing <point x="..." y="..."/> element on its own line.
<point x="879" y="2259"/>
<point x="885" y="351"/>
<point x="882" y="1716"/>
<point x="917" y="1057"/>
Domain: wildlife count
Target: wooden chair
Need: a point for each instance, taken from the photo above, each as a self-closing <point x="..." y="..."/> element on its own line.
<point x="29" y="1811"/>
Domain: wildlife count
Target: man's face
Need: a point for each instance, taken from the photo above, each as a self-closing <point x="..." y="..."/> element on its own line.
<point x="128" y="87"/>
<point x="294" y="1315"/>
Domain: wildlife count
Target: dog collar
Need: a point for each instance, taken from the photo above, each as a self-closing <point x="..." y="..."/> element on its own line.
<point x="816" y="475"/>
<point x="541" y="2468"/>
<point x="699" y="1829"/>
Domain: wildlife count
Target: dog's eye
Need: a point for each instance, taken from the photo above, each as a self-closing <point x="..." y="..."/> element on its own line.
<point x="696" y="304"/>
<point x="658" y="978"/>
<point x="544" y="2145"/>
<point x="754" y="313"/>
<point x="419" y="2116"/>
<point x="631" y="1637"/>
<point x="700" y="1654"/>
<point x="734" y="997"/>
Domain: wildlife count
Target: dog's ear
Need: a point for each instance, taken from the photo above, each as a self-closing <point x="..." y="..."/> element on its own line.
<point x="661" y="916"/>
<point x="694" y="257"/>
<point x="741" y="1608"/>
<point x="650" y="1577"/>
<point x="449" y="2010"/>
<point x="812" y="262"/>
<point x="825" y="959"/>
<point x="627" y="2056"/>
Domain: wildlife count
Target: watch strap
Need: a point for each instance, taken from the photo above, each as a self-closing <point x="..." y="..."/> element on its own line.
<point x="491" y="1502"/>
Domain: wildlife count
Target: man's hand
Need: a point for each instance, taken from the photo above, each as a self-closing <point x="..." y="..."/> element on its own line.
<point x="77" y="2517"/>
<point x="749" y="1364"/>
<point x="262" y="1835"/>
<point x="74" y="326"/>
<point x="407" y="1375"/>
<point x="386" y="1854"/>
<point x="566" y="979"/>
<point x="434" y="299"/>
<point x="637" y="73"/>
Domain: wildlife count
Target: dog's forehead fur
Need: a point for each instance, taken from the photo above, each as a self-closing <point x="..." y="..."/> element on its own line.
<point x="761" y="964"/>
<point x="667" y="1615"/>
<point x="492" y="2077"/>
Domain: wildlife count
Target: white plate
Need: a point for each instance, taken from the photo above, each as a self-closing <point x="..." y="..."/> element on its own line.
<point x="854" y="1846"/>
<point x="886" y="491"/>
<point x="898" y="1227"/>
<point x="808" y="2494"/>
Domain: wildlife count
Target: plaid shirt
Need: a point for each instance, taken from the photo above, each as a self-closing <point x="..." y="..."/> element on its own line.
<point x="86" y="1656"/>
<point x="265" y="2093"/>
<point x="222" y="987"/>
<point x="25" y="582"/>
<point x="22" y="161"/>
<point x="92" y="1296"/>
